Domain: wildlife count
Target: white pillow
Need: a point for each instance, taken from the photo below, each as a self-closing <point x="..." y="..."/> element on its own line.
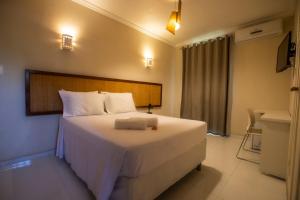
<point x="119" y="102"/>
<point x="82" y="103"/>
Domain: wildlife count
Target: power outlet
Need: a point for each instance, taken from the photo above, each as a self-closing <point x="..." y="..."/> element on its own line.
<point x="1" y="69"/>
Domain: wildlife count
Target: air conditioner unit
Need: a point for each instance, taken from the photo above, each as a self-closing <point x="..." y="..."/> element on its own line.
<point x="260" y="30"/>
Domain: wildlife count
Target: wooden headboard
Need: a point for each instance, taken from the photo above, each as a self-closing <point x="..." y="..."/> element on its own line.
<point x="42" y="87"/>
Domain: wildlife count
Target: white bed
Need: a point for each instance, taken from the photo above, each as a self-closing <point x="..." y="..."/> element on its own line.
<point x="130" y="164"/>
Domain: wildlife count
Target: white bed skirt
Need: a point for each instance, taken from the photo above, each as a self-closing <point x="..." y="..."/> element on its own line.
<point x="151" y="185"/>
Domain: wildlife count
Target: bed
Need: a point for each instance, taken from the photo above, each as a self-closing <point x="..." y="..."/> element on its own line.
<point x="130" y="164"/>
<point x="115" y="164"/>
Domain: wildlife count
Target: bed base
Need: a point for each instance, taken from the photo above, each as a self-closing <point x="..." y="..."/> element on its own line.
<point x="151" y="185"/>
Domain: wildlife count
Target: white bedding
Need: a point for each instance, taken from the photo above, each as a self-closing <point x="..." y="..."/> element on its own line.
<point x="99" y="154"/>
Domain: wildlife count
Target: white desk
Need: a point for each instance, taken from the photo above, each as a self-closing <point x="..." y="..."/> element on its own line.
<point x="277" y="116"/>
<point x="275" y="139"/>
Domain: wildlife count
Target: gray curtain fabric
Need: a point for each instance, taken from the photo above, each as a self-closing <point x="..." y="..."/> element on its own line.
<point x="205" y="83"/>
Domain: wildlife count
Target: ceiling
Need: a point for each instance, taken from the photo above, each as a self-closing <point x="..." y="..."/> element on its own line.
<point x="200" y="18"/>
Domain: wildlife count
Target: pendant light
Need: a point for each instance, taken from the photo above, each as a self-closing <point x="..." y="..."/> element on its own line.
<point x="174" y="20"/>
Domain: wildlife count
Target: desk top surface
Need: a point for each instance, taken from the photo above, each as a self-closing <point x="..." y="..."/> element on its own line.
<point x="282" y="116"/>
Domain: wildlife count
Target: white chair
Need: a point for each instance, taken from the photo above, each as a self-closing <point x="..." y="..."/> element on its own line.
<point x="252" y="131"/>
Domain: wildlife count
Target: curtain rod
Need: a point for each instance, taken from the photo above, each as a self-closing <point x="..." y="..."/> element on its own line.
<point x="205" y="41"/>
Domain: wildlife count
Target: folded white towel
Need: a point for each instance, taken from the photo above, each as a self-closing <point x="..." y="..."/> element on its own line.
<point x="130" y="124"/>
<point x="137" y="123"/>
<point x="151" y="121"/>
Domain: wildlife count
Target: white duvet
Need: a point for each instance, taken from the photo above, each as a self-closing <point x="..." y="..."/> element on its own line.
<point x="99" y="154"/>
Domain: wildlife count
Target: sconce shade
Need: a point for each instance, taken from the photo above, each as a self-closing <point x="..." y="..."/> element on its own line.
<point x="149" y="62"/>
<point x="67" y="42"/>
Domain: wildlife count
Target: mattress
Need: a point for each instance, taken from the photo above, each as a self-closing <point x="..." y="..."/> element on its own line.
<point x="99" y="154"/>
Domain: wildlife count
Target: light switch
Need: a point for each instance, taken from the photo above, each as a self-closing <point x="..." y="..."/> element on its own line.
<point x="1" y="69"/>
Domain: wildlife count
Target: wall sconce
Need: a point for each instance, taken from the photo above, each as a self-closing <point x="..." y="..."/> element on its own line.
<point x="148" y="62"/>
<point x="67" y="42"/>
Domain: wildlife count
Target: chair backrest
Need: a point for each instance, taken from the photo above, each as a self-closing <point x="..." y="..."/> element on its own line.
<point x="251" y="119"/>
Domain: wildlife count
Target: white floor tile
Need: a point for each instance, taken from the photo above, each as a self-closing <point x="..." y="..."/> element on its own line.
<point x="247" y="182"/>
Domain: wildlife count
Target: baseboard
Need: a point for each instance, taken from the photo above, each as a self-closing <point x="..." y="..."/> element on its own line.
<point x="213" y="135"/>
<point x="237" y="135"/>
<point x="23" y="161"/>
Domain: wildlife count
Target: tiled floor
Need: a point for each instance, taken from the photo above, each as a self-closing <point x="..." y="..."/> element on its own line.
<point x="222" y="177"/>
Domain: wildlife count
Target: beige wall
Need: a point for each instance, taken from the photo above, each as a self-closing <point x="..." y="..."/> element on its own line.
<point x="255" y="84"/>
<point x="29" y="38"/>
<point x="177" y="82"/>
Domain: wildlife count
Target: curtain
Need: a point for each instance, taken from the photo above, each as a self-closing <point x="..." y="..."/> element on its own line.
<point x="205" y="83"/>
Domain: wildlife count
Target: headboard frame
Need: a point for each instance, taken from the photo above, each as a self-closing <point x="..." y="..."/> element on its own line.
<point x="42" y="98"/>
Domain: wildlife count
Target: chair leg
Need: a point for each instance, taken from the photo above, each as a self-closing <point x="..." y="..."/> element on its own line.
<point x="253" y="151"/>
<point x="243" y="145"/>
<point x="245" y="142"/>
